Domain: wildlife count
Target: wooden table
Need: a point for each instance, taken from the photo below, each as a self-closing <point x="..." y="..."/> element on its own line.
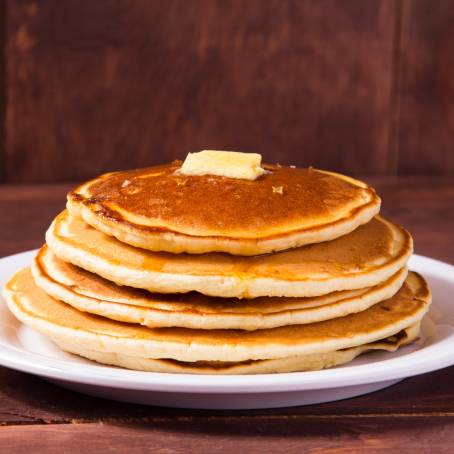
<point x="415" y="415"/>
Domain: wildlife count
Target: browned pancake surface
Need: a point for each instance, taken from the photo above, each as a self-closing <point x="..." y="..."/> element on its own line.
<point x="283" y="200"/>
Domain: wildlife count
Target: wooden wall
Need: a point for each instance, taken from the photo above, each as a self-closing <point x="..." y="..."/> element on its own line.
<point x="359" y="86"/>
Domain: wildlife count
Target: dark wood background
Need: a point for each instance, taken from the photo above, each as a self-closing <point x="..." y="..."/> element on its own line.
<point x="359" y="86"/>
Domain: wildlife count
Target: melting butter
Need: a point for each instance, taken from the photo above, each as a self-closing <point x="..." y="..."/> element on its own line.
<point x="231" y="164"/>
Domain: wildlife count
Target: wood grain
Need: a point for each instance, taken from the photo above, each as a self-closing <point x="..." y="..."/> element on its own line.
<point x="424" y="207"/>
<point x="29" y="400"/>
<point x="96" y="86"/>
<point x="316" y="436"/>
<point x="26" y="213"/>
<point x="426" y="139"/>
<point x="2" y="89"/>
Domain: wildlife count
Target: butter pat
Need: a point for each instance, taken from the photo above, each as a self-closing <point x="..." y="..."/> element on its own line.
<point x="231" y="164"/>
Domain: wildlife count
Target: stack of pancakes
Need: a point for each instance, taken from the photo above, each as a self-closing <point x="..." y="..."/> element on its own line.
<point x="156" y="270"/>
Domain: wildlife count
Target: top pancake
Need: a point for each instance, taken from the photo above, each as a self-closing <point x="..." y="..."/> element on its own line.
<point x="157" y="209"/>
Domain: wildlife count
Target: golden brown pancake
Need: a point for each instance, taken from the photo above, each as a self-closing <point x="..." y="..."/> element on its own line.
<point x="160" y="210"/>
<point x="315" y="361"/>
<point x="64" y="324"/>
<point x="367" y="256"/>
<point x="91" y="293"/>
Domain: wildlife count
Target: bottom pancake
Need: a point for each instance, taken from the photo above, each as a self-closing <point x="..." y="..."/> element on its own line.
<point x="268" y="366"/>
<point x="82" y="332"/>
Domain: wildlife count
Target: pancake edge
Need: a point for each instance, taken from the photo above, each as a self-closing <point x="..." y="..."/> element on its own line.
<point x="159" y="318"/>
<point x="268" y="366"/>
<point x="224" y="286"/>
<point x="192" y="352"/>
<point x="168" y="240"/>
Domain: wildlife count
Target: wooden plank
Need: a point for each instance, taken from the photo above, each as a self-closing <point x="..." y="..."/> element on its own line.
<point x="96" y="86"/>
<point x="25" y="399"/>
<point x="320" y="435"/>
<point x="422" y="206"/>
<point x="2" y="90"/>
<point x="426" y="141"/>
<point x="27" y="212"/>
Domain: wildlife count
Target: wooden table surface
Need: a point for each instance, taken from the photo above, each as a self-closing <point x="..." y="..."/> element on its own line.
<point x="416" y="415"/>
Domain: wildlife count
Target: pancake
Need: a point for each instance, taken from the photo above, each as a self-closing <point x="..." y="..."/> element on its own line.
<point x="91" y="293"/>
<point x="265" y="366"/>
<point x="158" y="209"/>
<point x="66" y="325"/>
<point x="365" y="257"/>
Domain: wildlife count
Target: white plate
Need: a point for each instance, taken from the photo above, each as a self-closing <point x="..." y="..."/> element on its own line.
<point x="26" y="350"/>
